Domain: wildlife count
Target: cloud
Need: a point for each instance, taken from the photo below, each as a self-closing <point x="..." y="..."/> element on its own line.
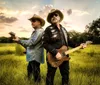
<point x="80" y="13"/>
<point x="2" y="2"/>
<point x="74" y="12"/>
<point x="8" y="25"/>
<point x="8" y="16"/>
<point x="46" y="9"/>
<point x="14" y="13"/>
<point x="1" y="13"/>
<point x="26" y="13"/>
<point x="35" y="7"/>
<point x="2" y="27"/>
<point x="67" y="25"/>
<point x="69" y="12"/>
<point x="2" y="8"/>
<point x="24" y="30"/>
<point x="4" y="19"/>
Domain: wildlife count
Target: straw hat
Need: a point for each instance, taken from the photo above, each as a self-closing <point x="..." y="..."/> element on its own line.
<point x="38" y="18"/>
<point x="55" y="11"/>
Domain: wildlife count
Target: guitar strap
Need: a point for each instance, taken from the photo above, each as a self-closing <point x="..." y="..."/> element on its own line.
<point x="65" y="35"/>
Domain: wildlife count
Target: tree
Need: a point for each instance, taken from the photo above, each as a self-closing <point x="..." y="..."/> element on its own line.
<point x="93" y="30"/>
<point x="77" y="36"/>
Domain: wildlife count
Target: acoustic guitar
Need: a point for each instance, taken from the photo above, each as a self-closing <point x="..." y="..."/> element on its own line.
<point x="64" y="52"/>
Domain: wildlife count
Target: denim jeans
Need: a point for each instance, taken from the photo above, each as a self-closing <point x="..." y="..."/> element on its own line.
<point x="33" y="69"/>
<point x="64" y="70"/>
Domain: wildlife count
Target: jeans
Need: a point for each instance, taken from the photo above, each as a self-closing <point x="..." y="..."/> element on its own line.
<point x="33" y="68"/>
<point x="64" y="70"/>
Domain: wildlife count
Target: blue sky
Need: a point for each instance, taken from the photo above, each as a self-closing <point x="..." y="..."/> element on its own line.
<point x="14" y="14"/>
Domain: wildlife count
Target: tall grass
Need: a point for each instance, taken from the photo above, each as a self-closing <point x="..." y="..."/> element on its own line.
<point x="7" y="49"/>
<point x="19" y="50"/>
<point x="84" y="67"/>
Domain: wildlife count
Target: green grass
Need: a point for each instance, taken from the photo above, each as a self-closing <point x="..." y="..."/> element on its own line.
<point x="84" y="67"/>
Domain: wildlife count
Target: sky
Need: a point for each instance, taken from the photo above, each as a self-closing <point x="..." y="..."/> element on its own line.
<point x="14" y="14"/>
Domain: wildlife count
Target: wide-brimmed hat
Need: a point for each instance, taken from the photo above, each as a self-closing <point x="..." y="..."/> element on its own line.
<point x="52" y="12"/>
<point x="37" y="17"/>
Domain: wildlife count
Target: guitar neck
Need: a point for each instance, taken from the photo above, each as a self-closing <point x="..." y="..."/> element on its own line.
<point x="72" y="50"/>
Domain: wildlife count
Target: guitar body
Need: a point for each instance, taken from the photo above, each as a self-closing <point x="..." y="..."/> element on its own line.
<point x="52" y="59"/>
<point x="63" y="50"/>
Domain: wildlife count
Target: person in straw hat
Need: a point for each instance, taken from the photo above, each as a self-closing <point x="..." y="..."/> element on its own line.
<point x="55" y="36"/>
<point x="34" y="49"/>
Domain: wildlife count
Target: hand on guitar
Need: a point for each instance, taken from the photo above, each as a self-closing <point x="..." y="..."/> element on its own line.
<point x="58" y="56"/>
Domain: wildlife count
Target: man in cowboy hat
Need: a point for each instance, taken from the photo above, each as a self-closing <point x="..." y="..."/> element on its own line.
<point x="54" y="37"/>
<point x="34" y="49"/>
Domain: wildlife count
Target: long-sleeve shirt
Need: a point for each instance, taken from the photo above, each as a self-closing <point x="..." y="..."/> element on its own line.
<point x="53" y="39"/>
<point x="34" y="49"/>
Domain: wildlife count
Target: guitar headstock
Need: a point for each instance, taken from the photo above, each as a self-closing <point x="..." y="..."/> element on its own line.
<point x="84" y="45"/>
<point x="88" y="42"/>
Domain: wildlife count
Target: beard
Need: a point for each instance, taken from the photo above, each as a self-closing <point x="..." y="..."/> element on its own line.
<point x="54" y="20"/>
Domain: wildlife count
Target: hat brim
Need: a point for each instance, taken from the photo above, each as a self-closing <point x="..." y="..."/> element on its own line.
<point x="56" y="11"/>
<point x="38" y="18"/>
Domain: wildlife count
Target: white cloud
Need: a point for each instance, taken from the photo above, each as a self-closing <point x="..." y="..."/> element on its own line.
<point x="45" y="10"/>
<point x="80" y="13"/>
<point x="18" y="13"/>
<point x="2" y="2"/>
<point x="24" y="15"/>
<point x="35" y="7"/>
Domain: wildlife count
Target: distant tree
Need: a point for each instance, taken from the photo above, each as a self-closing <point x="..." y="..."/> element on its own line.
<point x="73" y="33"/>
<point x="9" y="39"/>
<point x="74" y="36"/>
<point x="78" y="37"/>
<point x="23" y="38"/>
<point x="93" y="30"/>
<point x="4" y="40"/>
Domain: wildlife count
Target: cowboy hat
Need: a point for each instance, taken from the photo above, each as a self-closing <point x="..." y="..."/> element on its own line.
<point x="36" y="17"/>
<point x="52" y="12"/>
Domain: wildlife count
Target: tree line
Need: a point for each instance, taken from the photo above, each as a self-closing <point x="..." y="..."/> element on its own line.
<point x="92" y="33"/>
<point x="8" y="39"/>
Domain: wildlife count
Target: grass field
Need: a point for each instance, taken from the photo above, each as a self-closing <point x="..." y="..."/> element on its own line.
<point x="84" y="67"/>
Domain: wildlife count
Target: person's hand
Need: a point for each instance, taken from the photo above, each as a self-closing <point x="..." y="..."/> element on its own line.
<point x="16" y="39"/>
<point x="83" y="45"/>
<point x="58" y="56"/>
